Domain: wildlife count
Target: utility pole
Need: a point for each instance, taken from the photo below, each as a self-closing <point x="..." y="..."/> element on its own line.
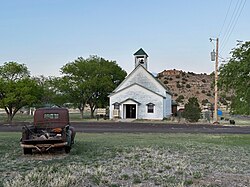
<point x="216" y="81"/>
<point x="215" y="57"/>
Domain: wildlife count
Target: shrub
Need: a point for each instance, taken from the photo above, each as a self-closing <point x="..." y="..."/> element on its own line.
<point x="192" y="111"/>
<point x="178" y="85"/>
<point x="170" y="78"/>
<point x="188" y="86"/>
<point x="177" y="76"/>
<point x="203" y="80"/>
<point x="180" y="99"/>
<point x="209" y="94"/>
<point x="191" y="73"/>
<point x="165" y="82"/>
<point x="204" y="102"/>
<point x="203" y="91"/>
<point x="223" y="100"/>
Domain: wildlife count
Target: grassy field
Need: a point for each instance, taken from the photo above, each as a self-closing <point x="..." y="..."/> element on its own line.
<point x="76" y="117"/>
<point x="29" y="118"/>
<point x="131" y="160"/>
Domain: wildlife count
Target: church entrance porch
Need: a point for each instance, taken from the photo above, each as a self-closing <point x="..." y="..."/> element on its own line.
<point x="129" y="111"/>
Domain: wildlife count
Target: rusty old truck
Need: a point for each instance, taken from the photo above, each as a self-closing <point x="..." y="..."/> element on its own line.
<point x="51" y="129"/>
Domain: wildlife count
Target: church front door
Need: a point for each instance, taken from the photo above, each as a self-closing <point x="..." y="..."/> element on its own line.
<point x="130" y="111"/>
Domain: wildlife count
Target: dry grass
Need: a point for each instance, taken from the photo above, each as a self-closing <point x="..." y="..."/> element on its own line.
<point x="131" y="160"/>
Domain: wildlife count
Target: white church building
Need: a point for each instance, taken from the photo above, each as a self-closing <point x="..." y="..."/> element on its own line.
<point x="140" y="95"/>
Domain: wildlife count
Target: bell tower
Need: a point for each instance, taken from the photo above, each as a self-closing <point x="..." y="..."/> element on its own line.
<point x="141" y="58"/>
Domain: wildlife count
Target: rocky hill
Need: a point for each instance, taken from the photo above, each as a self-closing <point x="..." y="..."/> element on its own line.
<point x="184" y="85"/>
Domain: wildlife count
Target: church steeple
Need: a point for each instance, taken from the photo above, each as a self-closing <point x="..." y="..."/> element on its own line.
<point x="141" y="58"/>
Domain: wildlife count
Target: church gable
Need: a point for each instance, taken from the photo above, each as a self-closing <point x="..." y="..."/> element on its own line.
<point x="142" y="77"/>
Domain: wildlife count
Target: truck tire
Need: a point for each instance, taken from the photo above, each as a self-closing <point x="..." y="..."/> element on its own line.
<point x="67" y="149"/>
<point x="27" y="151"/>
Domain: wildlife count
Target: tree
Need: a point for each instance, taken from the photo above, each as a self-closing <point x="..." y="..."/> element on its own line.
<point x="234" y="77"/>
<point x="90" y="81"/>
<point x="192" y="110"/>
<point x="50" y="96"/>
<point x="17" y="89"/>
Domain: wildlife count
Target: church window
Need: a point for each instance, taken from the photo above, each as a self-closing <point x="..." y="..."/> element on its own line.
<point x="117" y="106"/>
<point x="150" y="107"/>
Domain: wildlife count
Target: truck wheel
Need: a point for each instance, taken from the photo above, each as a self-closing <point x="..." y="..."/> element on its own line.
<point x="67" y="149"/>
<point x="27" y="151"/>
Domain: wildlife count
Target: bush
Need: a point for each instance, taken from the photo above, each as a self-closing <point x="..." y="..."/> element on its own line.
<point x="165" y="82"/>
<point x="192" y="111"/>
<point x="203" y="91"/>
<point x="178" y="85"/>
<point x="177" y="76"/>
<point x="180" y="99"/>
<point x="204" y="102"/>
<point x="203" y="80"/>
<point x="223" y="101"/>
<point x="188" y="86"/>
<point x="191" y="73"/>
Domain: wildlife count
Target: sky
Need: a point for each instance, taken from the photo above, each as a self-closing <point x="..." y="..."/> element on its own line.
<point x="47" y="34"/>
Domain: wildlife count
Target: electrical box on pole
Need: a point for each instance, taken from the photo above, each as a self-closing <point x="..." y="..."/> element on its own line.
<point x="213" y="56"/>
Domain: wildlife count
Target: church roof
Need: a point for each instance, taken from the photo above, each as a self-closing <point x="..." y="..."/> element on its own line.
<point x="135" y="84"/>
<point x="154" y="78"/>
<point x="141" y="52"/>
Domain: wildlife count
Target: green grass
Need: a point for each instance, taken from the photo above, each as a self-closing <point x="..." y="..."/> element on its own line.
<point x="131" y="159"/>
<point x="17" y="118"/>
<point x="76" y="117"/>
<point x="29" y="118"/>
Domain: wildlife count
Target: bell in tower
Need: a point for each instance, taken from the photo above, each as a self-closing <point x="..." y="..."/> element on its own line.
<point x="141" y="58"/>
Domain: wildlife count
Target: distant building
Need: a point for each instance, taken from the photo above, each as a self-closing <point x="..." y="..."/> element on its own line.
<point x="140" y="95"/>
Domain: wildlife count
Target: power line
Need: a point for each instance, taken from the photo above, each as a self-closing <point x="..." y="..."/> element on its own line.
<point x="234" y="25"/>
<point x="235" y="20"/>
<point x="229" y="7"/>
<point x="230" y="22"/>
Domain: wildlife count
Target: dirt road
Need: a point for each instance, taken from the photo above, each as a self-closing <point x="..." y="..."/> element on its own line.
<point x="122" y="127"/>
